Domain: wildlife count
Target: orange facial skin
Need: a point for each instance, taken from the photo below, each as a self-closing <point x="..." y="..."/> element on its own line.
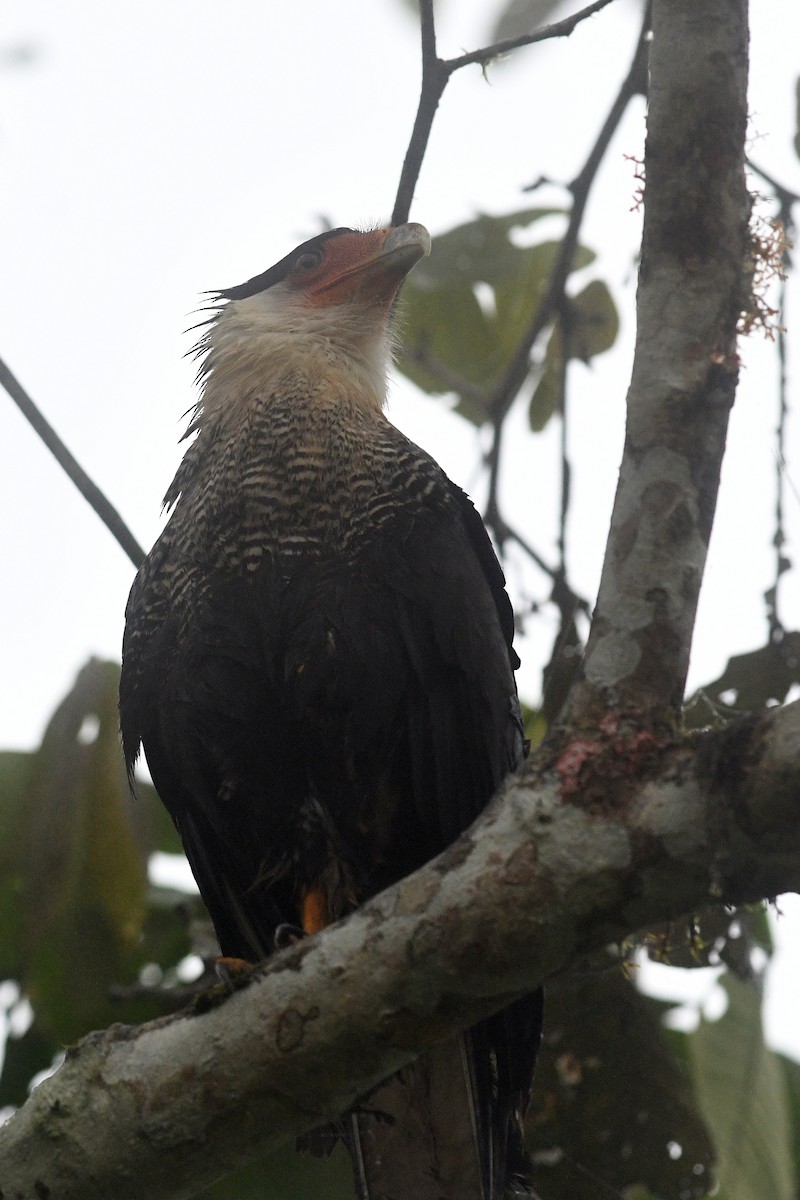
<point x="366" y="267"/>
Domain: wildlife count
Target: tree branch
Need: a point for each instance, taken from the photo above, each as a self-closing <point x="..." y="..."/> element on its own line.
<point x="434" y="80"/>
<point x="436" y="74"/>
<point x="89" y="490"/>
<point x="691" y="291"/>
<point x="615" y="834"/>
<point x="552" y="300"/>
<point x="635" y="82"/>
<point x="557" y="29"/>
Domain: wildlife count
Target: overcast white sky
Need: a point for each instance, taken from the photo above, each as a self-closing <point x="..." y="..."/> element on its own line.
<point x="154" y="149"/>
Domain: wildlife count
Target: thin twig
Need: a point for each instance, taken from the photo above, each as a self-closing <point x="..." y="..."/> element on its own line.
<point x="786" y="202"/>
<point x="557" y="29"/>
<point x="517" y="371"/>
<point x="89" y="490"/>
<point x="491" y="516"/>
<point x="776" y="626"/>
<point x="565" y="319"/>
<point x="553" y="299"/>
<point x="435" y="75"/>
<point x="785" y="197"/>
<point x="434" y="81"/>
<point x="562" y="595"/>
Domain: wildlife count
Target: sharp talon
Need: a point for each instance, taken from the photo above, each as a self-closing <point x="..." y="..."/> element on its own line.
<point x="232" y="970"/>
<point x="287" y="935"/>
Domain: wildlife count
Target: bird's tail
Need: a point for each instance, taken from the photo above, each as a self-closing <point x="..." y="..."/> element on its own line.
<point x="417" y="1137"/>
<point x="449" y="1126"/>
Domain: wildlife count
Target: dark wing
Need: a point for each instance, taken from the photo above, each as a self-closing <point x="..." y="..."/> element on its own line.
<point x="200" y="693"/>
<point x="463" y="721"/>
<point x="336" y="724"/>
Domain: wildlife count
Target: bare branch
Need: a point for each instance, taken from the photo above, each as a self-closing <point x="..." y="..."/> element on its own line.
<point x="785" y="196"/>
<point x="517" y="371"/>
<point x="557" y="29"/>
<point x="613" y="835"/>
<point x="436" y="73"/>
<point x="786" y="203"/>
<point x="692" y="288"/>
<point x="89" y="490"/>
<point x="434" y="80"/>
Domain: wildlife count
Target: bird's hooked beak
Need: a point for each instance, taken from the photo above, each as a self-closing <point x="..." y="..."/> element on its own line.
<point x="368" y="267"/>
<point x="403" y="246"/>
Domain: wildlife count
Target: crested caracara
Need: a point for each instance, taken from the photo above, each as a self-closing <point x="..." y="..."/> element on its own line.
<point x="318" y="664"/>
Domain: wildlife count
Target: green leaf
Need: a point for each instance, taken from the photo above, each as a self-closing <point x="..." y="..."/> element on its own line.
<point x="749" y="682"/>
<point x="520" y="17"/>
<point x="791" y="1074"/>
<point x="593" y="327"/>
<point x="479" y="251"/>
<point x="83" y="864"/>
<point x="15" y="775"/>
<point x="24" y="1057"/>
<point x="535" y="724"/>
<point x="742" y="1091"/>
<point x="548" y="395"/>
<point x="563" y="668"/>
<point x="593" y="322"/>
<point x="757" y="926"/>
<point x="154" y="821"/>
<point x="453" y="342"/>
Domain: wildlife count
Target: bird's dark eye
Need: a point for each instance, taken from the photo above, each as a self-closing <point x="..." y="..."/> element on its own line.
<point x="307" y="261"/>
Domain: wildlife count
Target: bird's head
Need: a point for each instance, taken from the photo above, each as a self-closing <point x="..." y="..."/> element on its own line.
<point x="327" y="306"/>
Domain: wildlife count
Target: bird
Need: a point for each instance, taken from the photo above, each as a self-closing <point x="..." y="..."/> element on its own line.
<point x="318" y="665"/>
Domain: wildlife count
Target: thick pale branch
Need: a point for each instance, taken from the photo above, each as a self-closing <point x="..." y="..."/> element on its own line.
<point x="615" y="834"/>
<point x="692" y="288"/>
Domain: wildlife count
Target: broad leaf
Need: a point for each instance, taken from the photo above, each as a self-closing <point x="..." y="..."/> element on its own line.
<point x="548" y="395"/>
<point x="593" y="322"/>
<point x="15" y="776"/>
<point x="593" y="327"/>
<point x="467" y="307"/>
<point x="25" y="1057"/>
<point x="791" y="1074"/>
<point x="749" y="682"/>
<point x="83" y="864"/>
<point x="743" y="1094"/>
<point x="520" y="17"/>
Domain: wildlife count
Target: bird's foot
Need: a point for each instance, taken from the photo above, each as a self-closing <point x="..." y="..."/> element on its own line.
<point x="288" y="935"/>
<point x="233" y="971"/>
